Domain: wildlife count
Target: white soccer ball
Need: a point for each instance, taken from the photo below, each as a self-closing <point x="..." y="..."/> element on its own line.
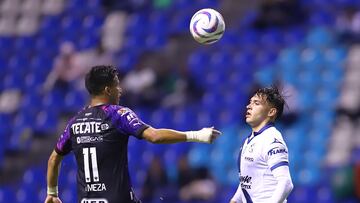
<point x="207" y="26"/>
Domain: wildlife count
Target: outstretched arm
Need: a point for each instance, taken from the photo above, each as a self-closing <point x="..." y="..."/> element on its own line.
<point x="167" y="136"/>
<point x="53" y="170"/>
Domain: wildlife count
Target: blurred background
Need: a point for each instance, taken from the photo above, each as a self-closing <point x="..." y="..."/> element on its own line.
<point x="308" y="47"/>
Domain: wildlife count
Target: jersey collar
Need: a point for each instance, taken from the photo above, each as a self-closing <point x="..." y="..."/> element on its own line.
<point x="268" y="125"/>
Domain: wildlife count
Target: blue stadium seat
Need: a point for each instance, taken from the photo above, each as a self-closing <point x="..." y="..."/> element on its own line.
<point x="198" y="61"/>
<point x="50" y="26"/>
<point x="155" y="41"/>
<point x="180" y="21"/>
<point x="214" y="80"/>
<point x="199" y="156"/>
<point x="243" y="59"/>
<point x="33" y="82"/>
<point x="322" y="18"/>
<point x="272" y="39"/>
<point x="294" y="36"/>
<point x="7" y="194"/>
<point x="137" y="25"/>
<point x="319" y="38"/>
<point x="46" y="121"/>
<point x="161" y="117"/>
<point x="248" y="39"/>
<point x="68" y="194"/>
<point x="184" y="118"/>
<point x="88" y="41"/>
<point x="221" y="59"/>
<point x="301" y="194"/>
<point x="34" y="178"/>
<point x="75" y="6"/>
<point x="26" y="194"/>
<point x="6" y="44"/>
<point x="13" y="81"/>
<point x="127" y="58"/>
<point x="93" y="22"/>
<point x="24" y="45"/>
<point x="312" y="58"/>
<point x="265" y="76"/>
<point x="157" y="22"/>
<point x="75" y="100"/>
<point x="18" y="64"/>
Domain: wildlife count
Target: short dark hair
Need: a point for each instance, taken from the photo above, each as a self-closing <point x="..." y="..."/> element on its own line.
<point x="273" y="97"/>
<point x="99" y="77"/>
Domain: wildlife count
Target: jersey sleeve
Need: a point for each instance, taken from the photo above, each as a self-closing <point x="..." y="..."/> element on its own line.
<point x="63" y="145"/>
<point x="127" y="121"/>
<point x="276" y="153"/>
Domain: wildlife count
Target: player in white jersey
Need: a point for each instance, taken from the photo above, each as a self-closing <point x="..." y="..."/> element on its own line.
<point x="263" y="159"/>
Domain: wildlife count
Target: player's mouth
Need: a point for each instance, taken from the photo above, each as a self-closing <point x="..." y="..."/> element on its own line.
<point x="247" y="114"/>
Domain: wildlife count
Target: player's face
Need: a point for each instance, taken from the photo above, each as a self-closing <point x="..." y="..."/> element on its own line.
<point x="116" y="91"/>
<point x="257" y="111"/>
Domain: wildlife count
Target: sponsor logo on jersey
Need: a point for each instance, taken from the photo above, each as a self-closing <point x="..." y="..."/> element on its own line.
<point x="123" y="111"/>
<point x="246" y="182"/>
<point x="104" y="126"/>
<point x="276" y="150"/>
<point x="86" y="127"/>
<point x="276" y="141"/>
<point x="249" y="159"/>
<point x="94" y="200"/>
<point x="251" y="149"/>
<point x="89" y="139"/>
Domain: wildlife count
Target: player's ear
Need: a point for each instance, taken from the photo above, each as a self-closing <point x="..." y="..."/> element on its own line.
<point x="107" y="90"/>
<point x="272" y="112"/>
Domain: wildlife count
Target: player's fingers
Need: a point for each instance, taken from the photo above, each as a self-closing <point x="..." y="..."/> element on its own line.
<point x="212" y="138"/>
<point x="216" y="132"/>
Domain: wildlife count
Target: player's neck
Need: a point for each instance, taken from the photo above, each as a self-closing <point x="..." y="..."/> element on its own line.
<point x="260" y="126"/>
<point x="98" y="100"/>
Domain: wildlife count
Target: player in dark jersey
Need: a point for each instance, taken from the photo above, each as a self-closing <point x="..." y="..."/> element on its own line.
<point x="98" y="136"/>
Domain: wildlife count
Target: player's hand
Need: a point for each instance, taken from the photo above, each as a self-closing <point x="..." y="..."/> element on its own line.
<point x="214" y="134"/>
<point x="205" y="135"/>
<point x="52" y="199"/>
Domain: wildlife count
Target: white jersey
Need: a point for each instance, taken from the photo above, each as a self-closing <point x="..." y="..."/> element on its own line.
<point x="261" y="153"/>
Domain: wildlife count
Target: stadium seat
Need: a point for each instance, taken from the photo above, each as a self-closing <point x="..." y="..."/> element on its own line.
<point x="294" y="36"/>
<point x="199" y="157"/>
<point x="25" y="194"/>
<point x="46" y="122"/>
<point x="161" y="117"/>
<point x="7" y="194"/>
<point x="319" y="38"/>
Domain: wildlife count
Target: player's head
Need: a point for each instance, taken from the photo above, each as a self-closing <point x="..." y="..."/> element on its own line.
<point x="103" y="81"/>
<point x="266" y="105"/>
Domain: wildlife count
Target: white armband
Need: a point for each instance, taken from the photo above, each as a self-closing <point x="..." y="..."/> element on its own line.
<point x="53" y="191"/>
<point x="203" y="135"/>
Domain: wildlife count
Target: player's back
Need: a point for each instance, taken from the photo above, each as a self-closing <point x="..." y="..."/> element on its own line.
<point x="98" y="136"/>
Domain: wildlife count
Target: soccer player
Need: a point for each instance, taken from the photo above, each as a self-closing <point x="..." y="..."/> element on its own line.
<point x="98" y="136"/>
<point x="263" y="159"/>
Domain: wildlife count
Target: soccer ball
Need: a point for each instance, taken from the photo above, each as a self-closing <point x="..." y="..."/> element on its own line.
<point x="207" y="26"/>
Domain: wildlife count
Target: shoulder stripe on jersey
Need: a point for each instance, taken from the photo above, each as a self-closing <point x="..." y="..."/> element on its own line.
<point x="283" y="163"/>
<point x="247" y="196"/>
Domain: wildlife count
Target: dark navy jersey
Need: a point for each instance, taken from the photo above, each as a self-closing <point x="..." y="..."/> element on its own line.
<point x="98" y="137"/>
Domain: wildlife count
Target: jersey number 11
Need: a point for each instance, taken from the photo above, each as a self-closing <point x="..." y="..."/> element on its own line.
<point x="94" y="165"/>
